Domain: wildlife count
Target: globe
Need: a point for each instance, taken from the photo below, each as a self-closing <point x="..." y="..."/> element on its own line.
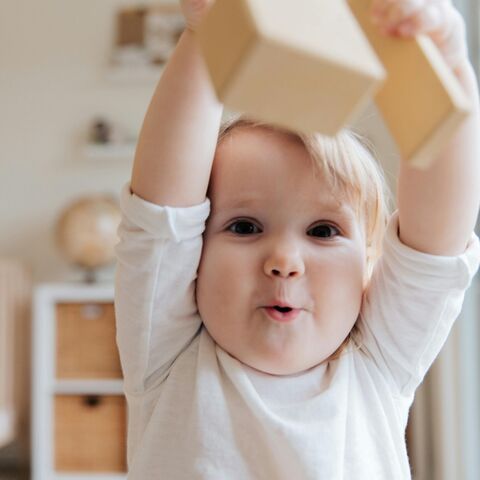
<point x="86" y="232"/>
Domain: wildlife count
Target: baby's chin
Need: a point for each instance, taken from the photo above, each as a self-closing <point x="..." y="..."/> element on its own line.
<point x="278" y="366"/>
<point x="274" y="356"/>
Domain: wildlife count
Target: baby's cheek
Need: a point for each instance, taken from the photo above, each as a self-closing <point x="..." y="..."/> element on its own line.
<point x="343" y="272"/>
<point x="217" y="276"/>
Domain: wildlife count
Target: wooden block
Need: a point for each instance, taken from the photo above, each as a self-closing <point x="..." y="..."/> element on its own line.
<point x="90" y="433"/>
<point x="86" y="345"/>
<point x="421" y="101"/>
<point x="305" y="65"/>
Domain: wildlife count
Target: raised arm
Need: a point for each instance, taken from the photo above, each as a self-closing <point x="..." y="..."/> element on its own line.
<point x="438" y="207"/>
<point x="177" y="141"/>
<point x="160" y="245"/>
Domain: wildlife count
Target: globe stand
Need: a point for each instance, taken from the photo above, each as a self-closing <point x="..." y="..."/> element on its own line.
<point x="90" y="276"/>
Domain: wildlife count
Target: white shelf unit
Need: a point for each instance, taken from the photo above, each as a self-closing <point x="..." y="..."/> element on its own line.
<point x="46" y="388"/>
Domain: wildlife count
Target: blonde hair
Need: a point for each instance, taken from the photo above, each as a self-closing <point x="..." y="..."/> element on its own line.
<point x="347" y="162"/>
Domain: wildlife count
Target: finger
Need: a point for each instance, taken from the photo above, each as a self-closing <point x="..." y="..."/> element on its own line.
<point x="400" y="11"/>
<point x="446" y="27"/>
<point x="382" y="8"/>
<point x="452" y="41"/>
<point x="194" y="10"/>
<point x="435" y="19"/>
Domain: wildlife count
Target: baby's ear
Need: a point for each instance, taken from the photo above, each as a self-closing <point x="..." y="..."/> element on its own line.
<point x="368" y="265"/>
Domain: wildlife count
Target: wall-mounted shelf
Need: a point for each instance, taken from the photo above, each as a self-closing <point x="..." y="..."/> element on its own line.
<point x="134" y="74"/>
<point x="115" y="152"/>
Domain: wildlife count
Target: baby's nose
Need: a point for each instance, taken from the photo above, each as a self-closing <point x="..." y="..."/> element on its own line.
<point x="288" y="264"/>
<point x="286" y="274"/>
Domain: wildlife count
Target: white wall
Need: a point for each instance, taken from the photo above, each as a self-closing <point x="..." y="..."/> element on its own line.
<point x="53" y="58"/>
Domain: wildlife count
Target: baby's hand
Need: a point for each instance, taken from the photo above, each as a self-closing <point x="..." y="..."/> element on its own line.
<point x="193" y="11"/>
<point x="436" y="18"/>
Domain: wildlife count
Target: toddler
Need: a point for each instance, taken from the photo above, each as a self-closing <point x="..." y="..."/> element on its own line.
<point x="274" y="316"/>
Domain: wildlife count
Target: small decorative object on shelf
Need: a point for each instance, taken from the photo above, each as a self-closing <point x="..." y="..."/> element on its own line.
<point x="146" y="37"/>
<point x="86" y="233"/>
<point x="107" y="140"/>
<point x="79" y="414"/>
<point x="101" y="131"/>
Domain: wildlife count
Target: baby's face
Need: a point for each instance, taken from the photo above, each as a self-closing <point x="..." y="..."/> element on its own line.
<point x="277" y="235"/>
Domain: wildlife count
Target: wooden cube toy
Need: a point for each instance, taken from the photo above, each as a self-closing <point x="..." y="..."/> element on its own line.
<point x="313" y="65"/>
<point x="302" y="64"/>
<point x="421" y="101"/>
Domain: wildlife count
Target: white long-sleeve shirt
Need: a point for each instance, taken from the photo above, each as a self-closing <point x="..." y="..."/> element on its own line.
<point x="196" y="412"/>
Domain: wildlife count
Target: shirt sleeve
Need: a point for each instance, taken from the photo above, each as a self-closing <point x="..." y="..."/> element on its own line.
<point x="157" y="261"/>
<point x="410" y="306"/>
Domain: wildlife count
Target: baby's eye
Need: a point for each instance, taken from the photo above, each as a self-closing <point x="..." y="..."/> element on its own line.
<point x="243" y="227"/>
<point x="324" y="230"/>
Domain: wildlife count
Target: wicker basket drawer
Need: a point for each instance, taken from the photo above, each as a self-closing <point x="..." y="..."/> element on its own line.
<point x="90" y="433"/>
<point x="86" y="344"/>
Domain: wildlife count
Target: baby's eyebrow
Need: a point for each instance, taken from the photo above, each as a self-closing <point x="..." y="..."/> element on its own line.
<point x="323" y="207"/>
<point x="344" y="210"/>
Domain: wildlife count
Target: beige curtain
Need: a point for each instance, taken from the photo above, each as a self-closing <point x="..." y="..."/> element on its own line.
<point x="15" y="315"/>
<point x="445" y="420"/>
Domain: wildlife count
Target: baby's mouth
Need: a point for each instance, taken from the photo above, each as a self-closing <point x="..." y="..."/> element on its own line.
<point x="282" y="314"/>
<point x="282" y="309"/>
